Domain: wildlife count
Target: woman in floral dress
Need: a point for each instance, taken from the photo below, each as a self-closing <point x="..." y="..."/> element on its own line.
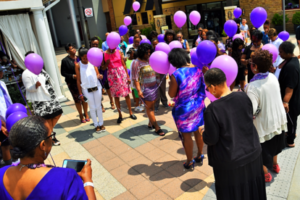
<point x="118" y="79"/>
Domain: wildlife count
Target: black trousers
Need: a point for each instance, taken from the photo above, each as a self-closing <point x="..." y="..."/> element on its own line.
<point x="292" y="125"/>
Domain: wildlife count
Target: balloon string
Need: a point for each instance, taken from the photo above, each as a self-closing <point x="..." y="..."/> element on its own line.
<point x="21" y="91"/>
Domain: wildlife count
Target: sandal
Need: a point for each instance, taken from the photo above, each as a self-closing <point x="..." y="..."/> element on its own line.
<point x="112" y="105"/>
<point x="276" y="168"/>
<point x="199" y="158"/>
<point x="103" y="91"/>
<point x="151" y="127"/>
<point x="133" y="117"/>
<point x="83" y="121"/>
<point x="120" y="119"/>
<point x="159" y="132"/>
<point x="87" y="119"/>
<point x="268" y="177"/>
<point x="191" y="164"/>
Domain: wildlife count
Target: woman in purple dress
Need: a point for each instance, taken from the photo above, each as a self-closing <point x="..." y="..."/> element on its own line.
<point x="31" y="139"/>
<point x="188" y="90"/>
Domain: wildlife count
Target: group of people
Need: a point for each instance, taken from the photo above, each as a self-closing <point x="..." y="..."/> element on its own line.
<point x="245" y="131"/>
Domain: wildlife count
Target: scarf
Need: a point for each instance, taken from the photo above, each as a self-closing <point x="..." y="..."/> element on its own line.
<point x="7" y="99"/>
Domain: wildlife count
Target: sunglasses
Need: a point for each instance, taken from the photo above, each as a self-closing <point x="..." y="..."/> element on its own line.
<point x="50" y="136"/>
<point x="207" y="89"/>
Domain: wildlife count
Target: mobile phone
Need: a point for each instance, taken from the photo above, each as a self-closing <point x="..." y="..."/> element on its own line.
<point x="74" y="164"/>
<point x="84" y="99"/>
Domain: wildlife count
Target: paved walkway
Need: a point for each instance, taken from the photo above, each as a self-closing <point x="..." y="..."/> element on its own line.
<point x="131" y="162"/>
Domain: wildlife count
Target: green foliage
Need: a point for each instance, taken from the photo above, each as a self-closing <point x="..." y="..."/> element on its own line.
<point x="296" y="18"/>
<point x="100" y="42"/>
<point x="224" y="34"/>
<point x="153" y="26"/>
<point x="15" y="94"/>
<point x="277" y="19"/>
<point x="146" y="31"/>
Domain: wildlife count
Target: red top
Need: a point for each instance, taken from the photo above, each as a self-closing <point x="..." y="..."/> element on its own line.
<point x="115" y="59"/>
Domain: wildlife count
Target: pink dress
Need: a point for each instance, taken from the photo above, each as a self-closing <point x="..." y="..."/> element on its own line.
<point x="116" y="75"/>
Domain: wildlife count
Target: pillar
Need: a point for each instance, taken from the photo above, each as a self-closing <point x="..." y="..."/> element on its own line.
<point x="52" y="25"/>
<point x="45" y="47"/>
<point x="74" y="22"/>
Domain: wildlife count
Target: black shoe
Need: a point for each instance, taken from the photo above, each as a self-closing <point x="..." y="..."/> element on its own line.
<point x="55" y="142"/>
<point x="133" y="117"/>
<point x="120" y="119"/>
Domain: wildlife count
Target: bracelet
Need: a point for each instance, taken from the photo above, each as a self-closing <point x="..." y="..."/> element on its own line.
<point x="286" y="103"/>
<point x="88" y="184"/>
<point x="80" y="95"/>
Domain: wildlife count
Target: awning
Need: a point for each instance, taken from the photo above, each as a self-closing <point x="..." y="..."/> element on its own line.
<point x="127" y="8"/>
<point x="149" y="5"/>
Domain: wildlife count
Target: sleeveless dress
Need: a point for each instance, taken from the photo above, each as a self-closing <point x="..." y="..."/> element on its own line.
<point x="58" y="183"/>
<point x="117" y="77"/>
<point x="189" y="102"/>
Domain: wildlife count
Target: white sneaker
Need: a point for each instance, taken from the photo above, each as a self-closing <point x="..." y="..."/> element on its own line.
<point x="136" y="109"/>
<point x="141" y="108"/>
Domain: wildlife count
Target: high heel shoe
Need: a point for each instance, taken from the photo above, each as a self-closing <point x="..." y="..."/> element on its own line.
<point x="191" y="164"/>
<point x="199" y="158"/>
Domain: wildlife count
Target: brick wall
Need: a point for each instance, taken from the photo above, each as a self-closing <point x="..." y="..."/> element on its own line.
<point x="112" y="15"/>
<point x="271" y="6"/>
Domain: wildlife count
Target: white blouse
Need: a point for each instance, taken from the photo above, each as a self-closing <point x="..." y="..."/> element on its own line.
<point x="265" y="95"/>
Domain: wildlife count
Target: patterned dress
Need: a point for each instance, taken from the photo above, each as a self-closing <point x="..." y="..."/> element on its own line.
<point x="189" y="102"/>
<point x="47" y="109"/>
<point x="117" y="76"/>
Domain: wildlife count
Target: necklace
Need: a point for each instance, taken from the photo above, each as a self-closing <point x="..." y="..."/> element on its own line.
<point x="32" y="166"/>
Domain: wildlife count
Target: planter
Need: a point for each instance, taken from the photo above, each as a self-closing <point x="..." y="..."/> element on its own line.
<point x="295" y="27"/>
<point x="279" y="28"/>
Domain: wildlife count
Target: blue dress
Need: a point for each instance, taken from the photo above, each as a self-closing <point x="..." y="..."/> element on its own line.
<point x="58" y="183"/>
<point x="189" y="102"/>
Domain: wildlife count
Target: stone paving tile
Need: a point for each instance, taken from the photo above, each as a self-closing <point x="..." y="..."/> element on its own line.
<point x="58" y="129"/>
<point x="175" y="188"/>
<point x="158" y="194"/>
<point x="125" y="196"/>
<point x="140" y="191"/>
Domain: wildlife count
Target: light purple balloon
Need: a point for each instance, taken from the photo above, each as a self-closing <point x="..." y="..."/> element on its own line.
<point x="211" y="97"/>
<point x="159" y="62"/>
<point x="34" y="63"/>
<point x="272" y="49"/>
<point x="161" y="38"/>
<point x="195" y="17"/>
<point x="145" y="41"/>
<point x="228" y="65"/>
<point x="136" y="6"/>
<point x="179" y="18"/>
<point x="175" y="44"/>
<point x="143" y="37"/>
<point x="237" y="12"/>
<point x="172" y="69"/>
<point x="127" y="20"/>
<point x="284" y="35"/>
<point x="123" y="30"/>
<point x="130" y="40"/>
<point x="238" y="36"/>
<point x="163" y="47"/>
<point x="258" y="16"/>
<point x="193" y="50"/>
<point x="113" y="40"/>
<point x="95" y="56"/>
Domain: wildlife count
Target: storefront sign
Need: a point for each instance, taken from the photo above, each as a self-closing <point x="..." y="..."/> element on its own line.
<point x="88" y="12"/>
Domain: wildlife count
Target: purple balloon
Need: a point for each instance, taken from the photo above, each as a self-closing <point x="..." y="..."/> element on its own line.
<point x="163" y="47"/>
<point x="272" y="50"/>
<point x="130" y="40"/>
<point x="284" y="35"/>
<point x="175" y="44"/>
<point x="238" y="36"/>
<point x="211" y="97"/>
<point x="145" y="41"/>
<point x="0" y="124"/>
<point x="230" y="28"/>
<point x="123" y="30"/>
<point x="34" y="63"/>
<point x="237" y="12"/>
<point x="193" y="50"/>
<point x="159" y="62"/>
<point x="136" y="6"/>
<point x="16" y="107"/>
<point x="113" y="40"/>
<point x="127" y="20"/>
<point x="172" y="69"/>
<point x="161" y="38"/>
<point x="206" y="52"/>
<point x="95" y="56"/>
<point x="195" y="17"/>
<point x="13" y="118"/>
<point x="179" y="18"/>
<point x="195" y="61"/>
<point x="228" y="65"/>
<point x="128" y="70"/>
<point x="258" y="16"/>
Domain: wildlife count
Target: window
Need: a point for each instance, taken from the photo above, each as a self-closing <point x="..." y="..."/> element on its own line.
<point x="144" y="17"/>
<point x="291" y="4"/>
<point x="133" y="17"/>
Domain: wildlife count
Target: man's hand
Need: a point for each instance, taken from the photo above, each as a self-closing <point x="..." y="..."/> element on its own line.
<point x="286" y="107"/>
<point x="38" y="84"/>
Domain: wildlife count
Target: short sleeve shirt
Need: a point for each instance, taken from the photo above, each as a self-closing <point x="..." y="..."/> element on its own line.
<point x="244" y="28"/>
<point x="142" y="72"/>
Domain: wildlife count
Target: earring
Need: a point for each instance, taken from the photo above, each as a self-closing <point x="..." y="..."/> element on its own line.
<point x="45" y="154"/>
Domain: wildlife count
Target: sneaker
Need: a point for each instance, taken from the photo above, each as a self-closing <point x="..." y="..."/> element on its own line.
<point x="102" y="128"/>
<point x="141" y="108"/>
<point x="268" y="178"/>
<point x="276" y="168"/>
<point x="55" y="142"/>
<point x="98" y="129"/>
<point x="136" y="109"/>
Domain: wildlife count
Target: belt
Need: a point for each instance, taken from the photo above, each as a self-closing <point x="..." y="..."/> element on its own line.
<point x="92" y="89"/>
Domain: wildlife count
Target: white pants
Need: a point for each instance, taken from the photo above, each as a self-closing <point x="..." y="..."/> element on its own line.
<point x="94" y="101"/>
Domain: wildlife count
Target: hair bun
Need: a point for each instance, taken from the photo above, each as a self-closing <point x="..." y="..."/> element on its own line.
<point x="17" y="153"/>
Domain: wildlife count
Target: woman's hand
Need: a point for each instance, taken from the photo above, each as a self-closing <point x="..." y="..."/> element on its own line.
<point x="141" y="94"/>
<point x="204" y="69"/>
<point x="286" y="107"/>
<point x="100" y="76"/>
<point x="81" y="97"/>
<point x="86" y="172"/>
<point x="4" y="131"/>
<point x="107" y="61"/>
<point x="37" y="85"/>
